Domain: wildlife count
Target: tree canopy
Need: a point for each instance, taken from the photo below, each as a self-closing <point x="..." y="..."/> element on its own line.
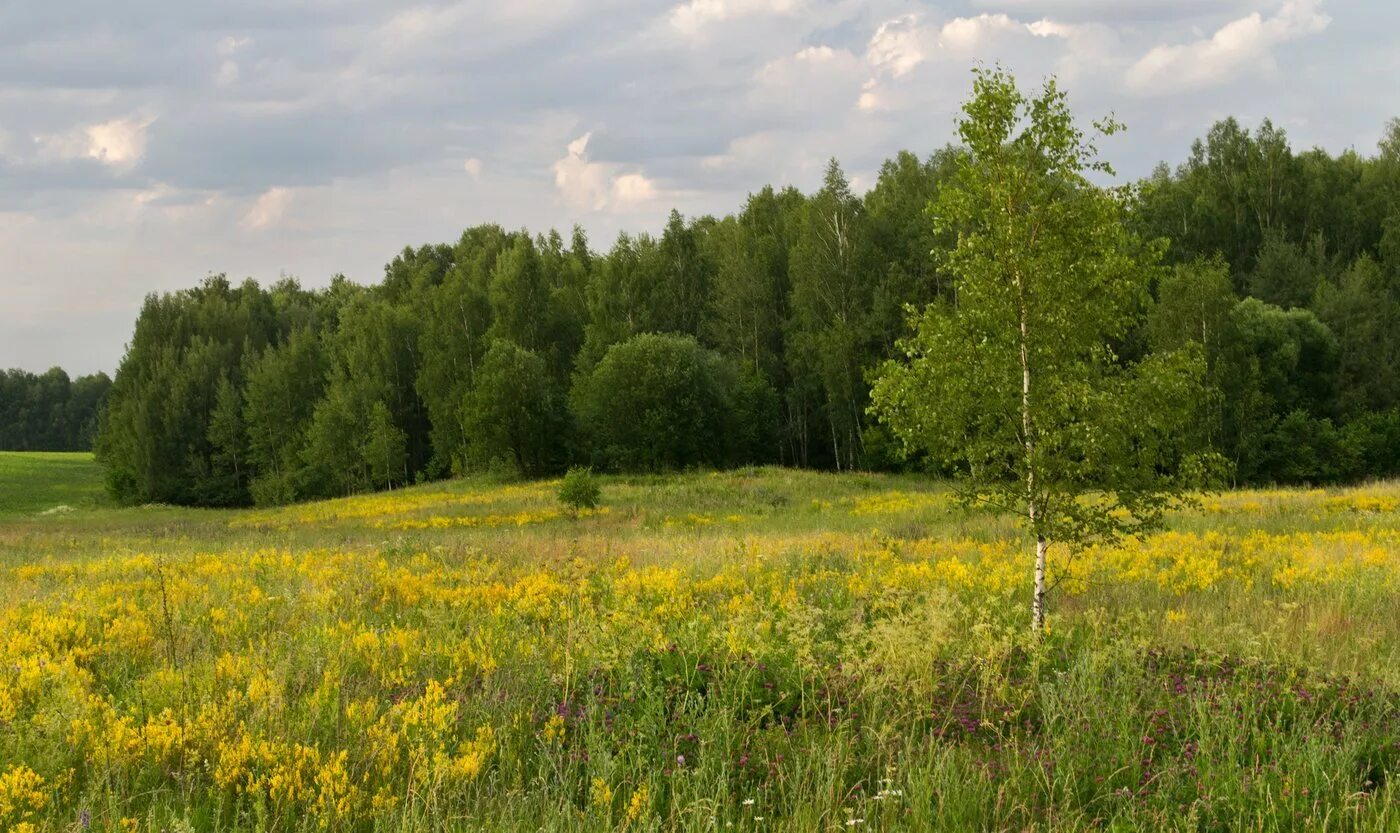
<point x="1281" y="266"/>
<point x="1021" y="383"/>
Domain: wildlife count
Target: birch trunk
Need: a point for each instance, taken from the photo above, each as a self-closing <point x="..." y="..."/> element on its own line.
<point x="1038" y="600"/>
<point x="1028" y="438"/>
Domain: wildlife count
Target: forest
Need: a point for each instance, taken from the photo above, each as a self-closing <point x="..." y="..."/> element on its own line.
<point x="49" y="411"/>
<point x="749" y="339"/>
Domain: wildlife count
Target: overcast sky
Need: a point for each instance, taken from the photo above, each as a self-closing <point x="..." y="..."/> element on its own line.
<point x="147" y="143"/>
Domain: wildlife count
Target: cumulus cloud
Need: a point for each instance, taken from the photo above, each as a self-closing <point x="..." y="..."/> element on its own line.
<point x="897" y="46"/>
<point x="1102" y="11"/>
<point x="905" y="47"/>
<point x="632" y="188"/>
<point x="268" y="209"/>
<point x="325" y="127"/>
<point x="814" y="79"/>
<point x="1242" y="45"/>
<point x="598" y="186"/>
<point x="118" y="143"/>
<point x="696" y="15"/>
<point x="964" y="34"/>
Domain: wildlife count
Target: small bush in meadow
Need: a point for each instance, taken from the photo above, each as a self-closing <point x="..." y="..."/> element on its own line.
<point x="580" y="490"/>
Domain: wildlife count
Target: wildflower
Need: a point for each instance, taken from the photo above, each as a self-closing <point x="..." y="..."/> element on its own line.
<point x="554" y="729"/>
<point x="21" y="793"/>
<point x="601" y="793"/>
<point x="638" y="804"/>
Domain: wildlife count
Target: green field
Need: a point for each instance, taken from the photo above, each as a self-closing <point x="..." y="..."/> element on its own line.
<point x="36" y="481"/>
<point x="750" y="650"/>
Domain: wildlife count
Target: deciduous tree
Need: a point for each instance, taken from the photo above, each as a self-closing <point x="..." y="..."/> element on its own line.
<point x="1017" y="383"/>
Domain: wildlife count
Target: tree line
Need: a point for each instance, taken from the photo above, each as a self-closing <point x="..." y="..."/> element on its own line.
<point x="752" y="338"/>
<point x="49" y="411"/>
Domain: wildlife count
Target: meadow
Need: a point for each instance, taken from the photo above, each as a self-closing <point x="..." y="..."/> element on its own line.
<point x="751" y="650"/>
<point x="53" y="482"/>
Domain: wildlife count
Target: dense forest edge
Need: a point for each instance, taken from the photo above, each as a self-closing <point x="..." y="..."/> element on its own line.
<point x="50" y="411"/>
<point x="748" y="338"/>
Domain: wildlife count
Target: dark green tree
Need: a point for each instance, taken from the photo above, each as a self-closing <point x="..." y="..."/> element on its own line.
<point x="515" y="413"/>
<point x="832" y="270"/>
<point x="660" y="402"/>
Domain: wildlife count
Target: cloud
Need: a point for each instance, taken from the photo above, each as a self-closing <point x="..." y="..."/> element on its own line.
<point x="119" y="143"/>
<point x="693" y="17"/>
<point x="897" y="46"/>
<point x="598" y="186"/>
<point x="1109" y="11"/>
<point x="905" y="53"/>
<point x="632" y="188"/>
<point x="268" y="209"/>
<point x="323" y="129"/>
<point x="812" y="80"/>
<point x="231" y="44"/>
<point x="1242" y="45"/>
<point x="227" y="74"/>
<point x="965" y="34"/>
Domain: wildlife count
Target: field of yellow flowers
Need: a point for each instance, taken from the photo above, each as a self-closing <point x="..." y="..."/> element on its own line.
<point x="746" y="651"/>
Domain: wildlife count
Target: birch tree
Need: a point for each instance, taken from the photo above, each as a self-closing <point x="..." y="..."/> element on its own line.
<point x="1017" y="382"/>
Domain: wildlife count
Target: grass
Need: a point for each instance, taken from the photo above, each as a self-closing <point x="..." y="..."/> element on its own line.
<point x="36" y="481"/>
<point x="762" y="650"/>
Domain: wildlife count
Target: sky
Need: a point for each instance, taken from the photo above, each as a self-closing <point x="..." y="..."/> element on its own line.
<point x="145" y="144"/>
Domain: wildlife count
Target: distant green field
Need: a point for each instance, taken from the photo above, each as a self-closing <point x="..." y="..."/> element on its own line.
<point x="42" y="481"/>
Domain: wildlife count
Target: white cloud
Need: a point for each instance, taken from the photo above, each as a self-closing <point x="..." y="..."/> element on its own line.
<point x="902" y="45"/>
<point x="814" y="79"/>
<point x="473" y="167"/>
<point x="909" y="58"/>
<point x="1153" y="11"/>
<point x="692" y="17"/>
<point x="965" y="34"/>
<point x="1241" y="45"/>
<point x="227" y="74"/>
<point x="269" y="208"/>
<point x="231" y="44"/>
<point x="805" y="60"/>
<point x="632" y="188"/>
<point x="598" y="185"/>
<point x="897" y="46"/>
<point x="118" y="144"/>
<point x="228" y="71"/>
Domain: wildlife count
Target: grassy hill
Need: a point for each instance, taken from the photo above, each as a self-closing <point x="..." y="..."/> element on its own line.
<point x="752" y="650"/>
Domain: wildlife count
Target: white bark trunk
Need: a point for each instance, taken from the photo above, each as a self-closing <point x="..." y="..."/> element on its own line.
<point x="1038" y="600"/>
<point x="1028" y="437"/>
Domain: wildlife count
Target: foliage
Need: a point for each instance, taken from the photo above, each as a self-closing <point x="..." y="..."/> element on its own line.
<point x="1284" y="266"/>
<point x="580" y="489"/>
<point x="514" y="412"/>
<point x="1019" y="385"/>
<point x="663" y="402"/>
<point x="49" y="411"/>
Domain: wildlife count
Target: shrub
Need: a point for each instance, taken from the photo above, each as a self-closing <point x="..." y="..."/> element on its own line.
<point x="580" y="490"/>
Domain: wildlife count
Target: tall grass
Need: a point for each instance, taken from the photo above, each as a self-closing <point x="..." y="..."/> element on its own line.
<point x="750" y="651"/>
